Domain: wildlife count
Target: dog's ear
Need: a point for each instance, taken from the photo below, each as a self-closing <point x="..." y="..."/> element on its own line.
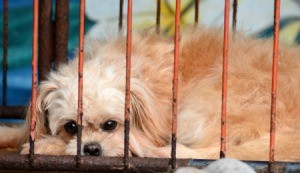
<point x="136" y="144"/>
<point x="146" y="119"/>
<point x="139" y="146"/>
<point x="44" y="95"/>
<point x="151" y="90"/>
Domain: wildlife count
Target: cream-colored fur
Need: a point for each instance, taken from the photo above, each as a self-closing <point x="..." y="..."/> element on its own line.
<point x="199" y="111"/>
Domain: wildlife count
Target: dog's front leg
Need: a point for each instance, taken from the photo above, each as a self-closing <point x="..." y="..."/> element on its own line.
<point x="47" y="145"/>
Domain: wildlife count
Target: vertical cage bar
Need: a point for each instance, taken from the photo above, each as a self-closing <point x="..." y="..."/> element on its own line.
<point x="5" y="46"/>
<point x="45" y="52"/>
<point x="127" y="90"/>
<point x="274" y="82"/>
<point x="34" y="78"/>
<point x="121" y="15"/>
<point x="224" y="79"/>
<point x="175" y="84"/>
<point x="80" y="79"/>
<point x="158" y="14"/>
<point x="196" y="12"/>
<point x="61" y="32"/>
<point x="234" y="16"/>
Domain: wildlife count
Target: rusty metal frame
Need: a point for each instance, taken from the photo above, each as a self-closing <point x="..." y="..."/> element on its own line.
<point x="42" y="24"/>
<point x="61" y="33"/>
<point x="34" y="79"/>
<point x="80" y="80"/>
<point x="158" y="15"/>
<point x="196" y="12"/>
<point x="224" y="79"/>
<point x="234" y="15"/>
<point x="45" y="49"/>
<point x="120" y="24"/>
<point x="116" y="164"/>
<point x="13" y="111"/>
<point x="127" y="85"/>
<point x="274" y="83"/>
<point x="175" y="84"/>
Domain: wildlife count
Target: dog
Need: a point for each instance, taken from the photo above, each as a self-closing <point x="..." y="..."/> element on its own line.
<point x="199" y="100"/>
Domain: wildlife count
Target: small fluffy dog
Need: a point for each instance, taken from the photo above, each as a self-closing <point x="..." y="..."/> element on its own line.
<point x="199" y="111"/>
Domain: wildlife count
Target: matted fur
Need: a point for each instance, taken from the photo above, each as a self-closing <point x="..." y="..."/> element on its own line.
<point x="199" y="111"/>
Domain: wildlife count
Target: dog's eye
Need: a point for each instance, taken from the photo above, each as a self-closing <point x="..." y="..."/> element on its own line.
<point x="109" y="125"/>
<point x="71" y="127"/>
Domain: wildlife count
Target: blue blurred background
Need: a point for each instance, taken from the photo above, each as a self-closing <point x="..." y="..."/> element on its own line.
<point x="20" y="50"/>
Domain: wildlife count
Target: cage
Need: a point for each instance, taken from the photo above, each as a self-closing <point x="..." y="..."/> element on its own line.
<point x="54" y="33"/>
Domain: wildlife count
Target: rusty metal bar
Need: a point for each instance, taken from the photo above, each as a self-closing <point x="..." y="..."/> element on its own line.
<point x="109" y="164"/>
<point x="46" y="39"/>
<point x="34" y="79"/>
<point x="121" y="15"/>
<point x="13" y="111"/>
<point x="61" y="32"/>
<point x="5" y="46"/>
<point x="274" y="82"/>
<point x="158" y="14"/>
<point x="234" y="16"/>
<point x="175" y="84"/>
<point x="224" y="79"/>
<point x="196" y="12"/>
<point x="80" y="80"/>
<point x="127" y="90"/>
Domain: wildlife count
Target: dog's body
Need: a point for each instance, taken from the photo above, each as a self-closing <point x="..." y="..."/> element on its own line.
<point x="199" y="111"/>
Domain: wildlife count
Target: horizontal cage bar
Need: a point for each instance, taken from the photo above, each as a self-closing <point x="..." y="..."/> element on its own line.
<point x="116" y="164"/>
<point x="13" y="112"/>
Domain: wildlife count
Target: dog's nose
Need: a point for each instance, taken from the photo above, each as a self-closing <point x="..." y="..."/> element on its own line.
<point x="92" y="149"/>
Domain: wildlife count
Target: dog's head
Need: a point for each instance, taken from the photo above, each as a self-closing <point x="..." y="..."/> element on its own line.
<point x="104" y="99"/>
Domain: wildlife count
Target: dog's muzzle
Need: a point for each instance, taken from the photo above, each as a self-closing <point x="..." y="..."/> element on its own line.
<point x="92" y="149"/>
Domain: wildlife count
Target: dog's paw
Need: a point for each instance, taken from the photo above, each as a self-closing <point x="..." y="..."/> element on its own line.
<point x="48" y="146"/>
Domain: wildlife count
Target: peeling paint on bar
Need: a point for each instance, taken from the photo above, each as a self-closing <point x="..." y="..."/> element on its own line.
<point x="127" y="85"/>
<point x="274" y="83"/>
<point x="80" y="80"/>
<point x="175" y="84"/>
<point x="224" y="79"/>
<point x="34" y="79"/>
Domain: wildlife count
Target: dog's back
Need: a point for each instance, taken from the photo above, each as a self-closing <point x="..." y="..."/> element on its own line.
<point x="249" y="96"/>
